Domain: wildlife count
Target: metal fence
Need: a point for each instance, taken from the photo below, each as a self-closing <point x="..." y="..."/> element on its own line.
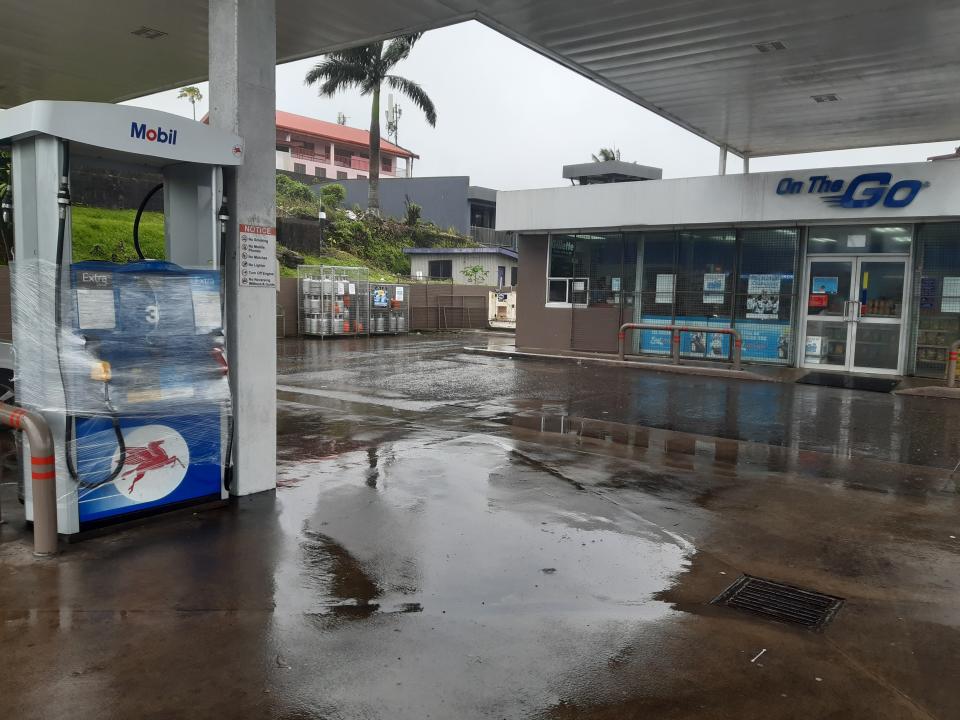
<point x="493" y="238"/>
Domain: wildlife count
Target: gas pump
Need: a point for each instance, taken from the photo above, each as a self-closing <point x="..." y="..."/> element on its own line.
<point x="127" y="362"/>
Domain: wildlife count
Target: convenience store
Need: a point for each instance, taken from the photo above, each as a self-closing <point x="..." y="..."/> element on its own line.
<point x="851" y="269"/>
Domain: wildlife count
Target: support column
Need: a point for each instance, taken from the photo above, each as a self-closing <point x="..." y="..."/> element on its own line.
<point x="746" y="164"/>
<point x="723" y="160"/>
<point x="243" y="58"/>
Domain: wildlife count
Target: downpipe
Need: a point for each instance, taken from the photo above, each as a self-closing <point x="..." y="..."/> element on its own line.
<point x="43" y="475"/>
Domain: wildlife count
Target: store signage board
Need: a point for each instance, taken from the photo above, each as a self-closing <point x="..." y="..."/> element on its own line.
<point x="863" y="191"/>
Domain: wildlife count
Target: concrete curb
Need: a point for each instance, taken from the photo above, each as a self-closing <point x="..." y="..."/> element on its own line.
<point x="932" y="391"/>
<point x="635" y="364"/>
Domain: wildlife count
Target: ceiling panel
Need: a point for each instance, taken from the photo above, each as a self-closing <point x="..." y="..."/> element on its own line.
<point x="893" y="65"/>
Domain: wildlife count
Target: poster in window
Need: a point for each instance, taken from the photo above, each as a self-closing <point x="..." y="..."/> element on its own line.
<point x="763" y="297"/>
<point x="951" y="295"/>
<point x="928" y="293"/>
<point x="615" y="284"/>
<point x="826" y="285"/>
<point x="380" y="297"/>
<point x="664" y="289"/>
<point x="713" y="286"/>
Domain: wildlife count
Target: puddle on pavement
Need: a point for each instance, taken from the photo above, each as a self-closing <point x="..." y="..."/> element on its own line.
<point x="729" y="457"/>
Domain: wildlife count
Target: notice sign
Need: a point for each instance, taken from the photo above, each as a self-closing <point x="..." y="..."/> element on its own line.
<point x="257" y="264"/>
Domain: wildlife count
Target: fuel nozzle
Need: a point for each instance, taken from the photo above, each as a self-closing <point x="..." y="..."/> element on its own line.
<point x="100" y="370"/>
<point x="223" y="214"/>
<point x="63" y="197"/>
<point x="6" y="205"/>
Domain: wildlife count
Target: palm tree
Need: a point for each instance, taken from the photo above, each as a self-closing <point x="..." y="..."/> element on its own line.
<point x="193" y="95"/>
<point x="607" y="155"/>
<point x="368" y="68"/>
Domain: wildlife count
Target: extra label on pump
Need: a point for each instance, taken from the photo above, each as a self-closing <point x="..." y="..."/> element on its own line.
<point x="95" y="302"/>
<point x="205" y="294"/>
<point x="206" y="310"/>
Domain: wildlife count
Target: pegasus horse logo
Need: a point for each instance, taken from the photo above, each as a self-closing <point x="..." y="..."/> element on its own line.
<point x="145" y="459"/>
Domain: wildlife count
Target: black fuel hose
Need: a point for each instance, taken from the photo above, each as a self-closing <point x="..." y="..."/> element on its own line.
<point x="63" y="201"/>
<point x="136" y="220"/>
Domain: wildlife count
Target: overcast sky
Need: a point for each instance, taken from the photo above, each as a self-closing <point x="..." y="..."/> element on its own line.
<point x="510" y="118"/>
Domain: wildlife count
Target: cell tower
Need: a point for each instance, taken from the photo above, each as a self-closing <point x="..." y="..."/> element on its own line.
<point x="393" y="113"/>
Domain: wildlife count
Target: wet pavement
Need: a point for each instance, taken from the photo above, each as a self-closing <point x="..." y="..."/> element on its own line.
<point x="458" y="536"/>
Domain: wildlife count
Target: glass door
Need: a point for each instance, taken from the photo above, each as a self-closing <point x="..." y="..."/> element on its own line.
<point x="878" y="315"/>
<point x="855" y="308"/>
<point x="830" y="291"/>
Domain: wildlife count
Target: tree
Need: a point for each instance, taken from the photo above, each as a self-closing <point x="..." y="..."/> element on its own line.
<point x="368" y="68"/>
<point x="475" y="274"/>
<point x="333" y="196"/>
<point x="607" y="155"/>
<point x="193" y="96"/>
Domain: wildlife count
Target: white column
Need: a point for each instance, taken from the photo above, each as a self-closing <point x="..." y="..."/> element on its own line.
<point x="723" y="160"/>
<point x="746" y="164"/>
<point x="243" y="58"/>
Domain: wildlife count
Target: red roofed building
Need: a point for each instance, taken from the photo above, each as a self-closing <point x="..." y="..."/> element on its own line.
<point x="329" y="150"/>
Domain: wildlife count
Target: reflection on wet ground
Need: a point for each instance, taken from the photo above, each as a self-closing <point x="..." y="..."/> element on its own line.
<point x="429" y="373"/>
<point x="456" y="537"/>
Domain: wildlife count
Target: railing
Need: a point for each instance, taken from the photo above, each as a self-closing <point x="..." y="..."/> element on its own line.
<point x="493" y="238"/>
<point x="675" y="331"/>
<point x="312" y="157"/>
<point x="359" y="163"/>
<point x="952" y="364"/>
<point x="43" y="475"/>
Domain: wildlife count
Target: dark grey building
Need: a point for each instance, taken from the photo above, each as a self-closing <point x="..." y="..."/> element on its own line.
<point x="447" y="201"/>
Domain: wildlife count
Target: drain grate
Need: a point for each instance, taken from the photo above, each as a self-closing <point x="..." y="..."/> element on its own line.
<point x="785" y="603"/>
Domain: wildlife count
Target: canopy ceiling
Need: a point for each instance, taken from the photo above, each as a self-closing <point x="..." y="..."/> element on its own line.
<point x="744" y="73"/>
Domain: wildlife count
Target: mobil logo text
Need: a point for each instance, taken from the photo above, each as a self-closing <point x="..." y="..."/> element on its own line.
<point x="140" y="131"/>
<point x="864" y="191"/>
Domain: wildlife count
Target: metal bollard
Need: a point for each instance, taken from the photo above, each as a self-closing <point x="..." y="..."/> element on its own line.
<point x="952" y="364"/>
<point x="43" y="475"/>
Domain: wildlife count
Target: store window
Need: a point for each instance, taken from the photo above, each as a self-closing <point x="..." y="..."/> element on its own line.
<point x="936" y="297"/>
<point x="440" y="269"/>
<point x="566" y="282"/>
<point x="764" y="301"/>
<point x="859" y="239"/>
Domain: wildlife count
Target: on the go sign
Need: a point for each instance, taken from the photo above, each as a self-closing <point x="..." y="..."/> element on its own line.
<point x="864" y="191"/>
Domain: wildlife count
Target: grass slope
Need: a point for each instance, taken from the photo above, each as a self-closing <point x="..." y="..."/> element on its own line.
<point x="100" y="234"/>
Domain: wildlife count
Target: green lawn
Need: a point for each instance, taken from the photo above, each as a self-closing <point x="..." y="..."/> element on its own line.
<point x="108" y="234"/>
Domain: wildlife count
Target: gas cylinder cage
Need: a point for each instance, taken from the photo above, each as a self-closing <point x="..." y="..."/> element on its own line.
<point x="341" y="301"/>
